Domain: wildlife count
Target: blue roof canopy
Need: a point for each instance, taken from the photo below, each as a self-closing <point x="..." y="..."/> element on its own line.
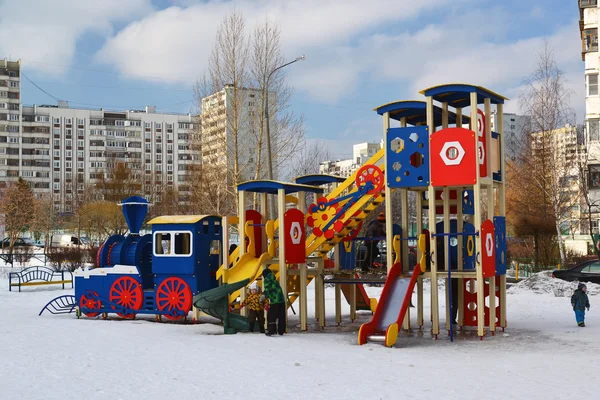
<point x="319" y="179"/>
<point x="458" y="95"/>
<point x="415" y="112"/>
<point x="272" y="187"/>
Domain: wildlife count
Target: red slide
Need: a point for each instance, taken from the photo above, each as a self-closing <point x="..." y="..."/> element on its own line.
<point x="391" y="308"/>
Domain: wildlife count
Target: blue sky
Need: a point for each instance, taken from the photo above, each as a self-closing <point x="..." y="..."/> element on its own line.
<point x="132" y="53"/>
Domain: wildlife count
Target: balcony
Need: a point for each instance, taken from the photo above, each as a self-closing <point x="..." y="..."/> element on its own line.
<point x="588" y="3"/>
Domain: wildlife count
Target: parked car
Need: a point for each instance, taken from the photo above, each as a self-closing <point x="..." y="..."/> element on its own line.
<point x="587" y="271"/>
<point x="20" y="242"/>
<point x="68" y="241"/>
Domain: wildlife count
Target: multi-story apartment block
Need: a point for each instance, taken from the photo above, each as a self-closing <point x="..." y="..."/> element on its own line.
<point x="589" y="21"/>
<point x="361" y="152"/>
<point x="225" y="113"/>
<point x="10" y="118"/>
<point x="62" y="151"/>
<point x="516" y="128"/>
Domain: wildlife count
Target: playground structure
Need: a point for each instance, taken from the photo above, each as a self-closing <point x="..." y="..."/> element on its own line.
<point x="447" y="169"/>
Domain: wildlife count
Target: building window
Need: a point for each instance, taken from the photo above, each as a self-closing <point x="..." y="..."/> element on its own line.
<point x="590" y="39"/>
<point x="588" y="3"/>
<point x="594" y="178"/>
<point x="592" y="84"/>
<point x="594" y="130"/>
<point x="13" y="117"/>
<point x="14" y="84"/>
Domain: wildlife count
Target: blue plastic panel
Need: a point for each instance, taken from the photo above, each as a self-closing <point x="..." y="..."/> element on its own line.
<point x="500" y="240"/>
<point x="468" y="205"/>
<point x="407" y="157"/>
<point x="469" y="247"/>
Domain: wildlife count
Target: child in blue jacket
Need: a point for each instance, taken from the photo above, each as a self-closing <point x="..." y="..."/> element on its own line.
<point x="580" y="302"/>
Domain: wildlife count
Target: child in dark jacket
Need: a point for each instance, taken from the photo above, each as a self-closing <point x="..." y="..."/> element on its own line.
<point x="256" y="308"/>
<point x="276" y="314"/>
<point x="580" y="302"/>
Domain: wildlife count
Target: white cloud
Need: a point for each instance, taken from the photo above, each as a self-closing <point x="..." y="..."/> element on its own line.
<point x="45" y="33"/>
<point x="174" y="44"/>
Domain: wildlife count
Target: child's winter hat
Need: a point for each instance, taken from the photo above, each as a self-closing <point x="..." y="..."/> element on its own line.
<point x="254" y="286"/>
<point x="581" y="286"/>
<point x="266" y="272"/>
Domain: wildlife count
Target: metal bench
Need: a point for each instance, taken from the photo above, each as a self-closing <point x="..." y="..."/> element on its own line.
<point x="35" y="276"/>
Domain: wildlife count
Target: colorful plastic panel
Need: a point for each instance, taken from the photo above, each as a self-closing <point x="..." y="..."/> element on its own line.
<point x="488" y="252"/>
<point x="468" y="206"/>
<point x="407" y="152"/>
<point x="469" y="246"/>
<point x="453" y="157"/>
<point x="500" y="234"/>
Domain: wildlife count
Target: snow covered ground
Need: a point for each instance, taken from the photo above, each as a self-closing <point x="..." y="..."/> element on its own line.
<point x="542" y="355"/>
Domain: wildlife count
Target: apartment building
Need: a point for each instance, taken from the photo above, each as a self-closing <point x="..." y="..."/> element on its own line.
<point x="225" y="113"/>
<point x="516" y="128"/>
<point x="62" y="151"/>
<point x="10" y="117"/>
<point x="361" y="152"/>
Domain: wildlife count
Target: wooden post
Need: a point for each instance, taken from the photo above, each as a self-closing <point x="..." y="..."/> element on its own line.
<point x="320" y="284"/>
<point x="303" y="275"/>
<point x="446" y="239"/>
<point x="490" y="203"/>
<point x="435" y="312"/>
<point x="477" y="223"/>
<point x="282" y="233"/>
<point x="242" y="222"/>
<point x="420" y="281"/>
<point x="388" y="200"/>
<point x="405" y="232"/>
<point x="502" y="207"/>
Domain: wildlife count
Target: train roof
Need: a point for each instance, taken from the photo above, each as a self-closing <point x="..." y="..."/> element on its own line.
<point x="178" y="219"/>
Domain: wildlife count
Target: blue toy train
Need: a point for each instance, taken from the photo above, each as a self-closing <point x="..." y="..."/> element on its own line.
<point x="156" y="273"/>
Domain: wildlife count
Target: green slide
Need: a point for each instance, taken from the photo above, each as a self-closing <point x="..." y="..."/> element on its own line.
<point x="215" y="302"/>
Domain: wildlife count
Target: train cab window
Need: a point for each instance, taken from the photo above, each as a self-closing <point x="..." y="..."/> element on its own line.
<point x="183" y="243"/>
<point x="173" y="244"/>
<point x="162" y="243"/>
<point x="215" y="247"/>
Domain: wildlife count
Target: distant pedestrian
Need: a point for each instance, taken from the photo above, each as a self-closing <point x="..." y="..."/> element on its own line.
<point x="276" y="314"/>
<point x="580" y="302"/>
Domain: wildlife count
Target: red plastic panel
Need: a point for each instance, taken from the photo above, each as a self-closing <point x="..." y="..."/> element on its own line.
<point x="470" y="303"/>
<point x="481" y="142"/>
<point x="295" y="236"/>
<point x="488" y="251"/>
<point x="256" y="218"/>
<point x="453" y="157"/>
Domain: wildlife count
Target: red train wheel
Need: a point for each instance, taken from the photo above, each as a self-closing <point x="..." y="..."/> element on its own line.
<point x="173" y="295"/>
<point x="370" y="173"/>
<point x="126" y="292"/>
<point x="90" y="303"/>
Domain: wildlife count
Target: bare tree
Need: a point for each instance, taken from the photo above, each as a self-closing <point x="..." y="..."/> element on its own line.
<point x="287" y="129"/>
<point x="222" y="90"/>
<point x="235" y="85"/>
<point x="46" y="218"/>
<point x="118" y="183"/>
<point x="549" y="164"/>
<point x="18" y="206"/>
<point x="307" y="159"/>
